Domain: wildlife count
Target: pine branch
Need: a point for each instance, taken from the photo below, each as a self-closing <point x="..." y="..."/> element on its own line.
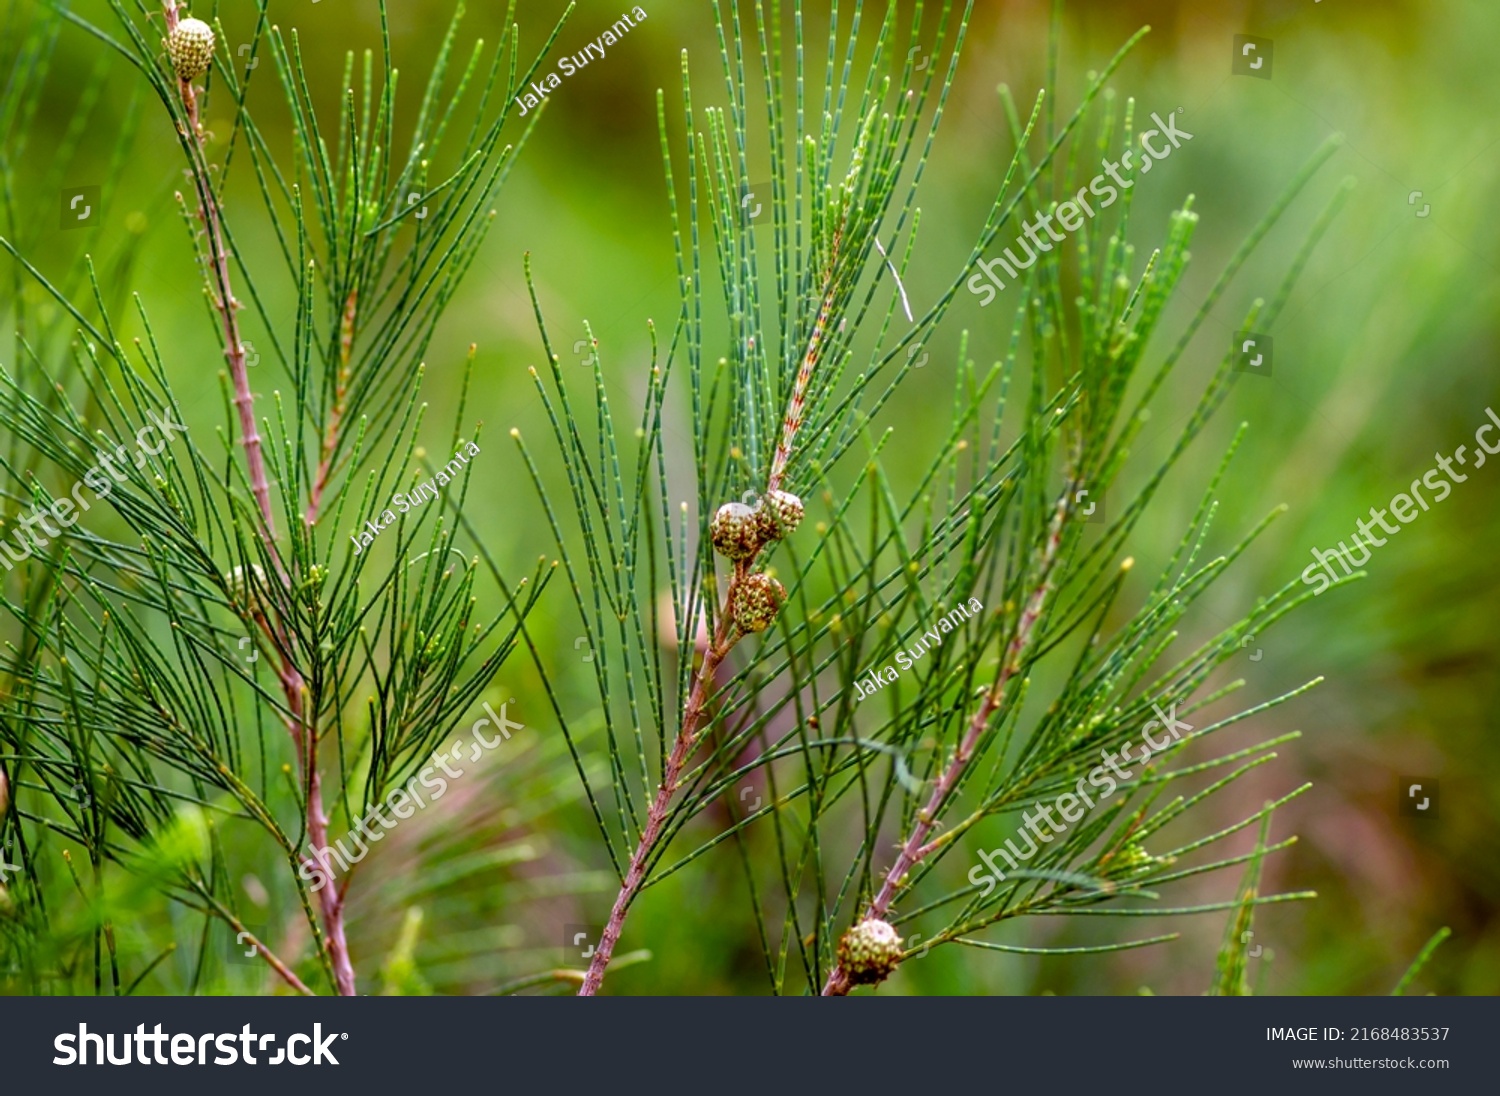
<point x="303" y="730"/>
<point x="915" y="847"/>
<point x="248" y="937"/>
<point x="336" y="415"/>
<point x="726" y="634"/>
<point x="129" y="686"/>
<point x="222" y="292"/>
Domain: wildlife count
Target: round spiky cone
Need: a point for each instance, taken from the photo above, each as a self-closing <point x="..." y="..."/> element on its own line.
<point x="757" y="600"/>
<point x="779" y="514"/>
<point x="869" y="952"/>
<point x="191" y="47"/>
<point x="735" y="531"/>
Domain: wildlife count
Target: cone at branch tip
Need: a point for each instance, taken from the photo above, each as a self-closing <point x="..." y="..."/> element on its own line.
<point x="190" y="47"/>
<point x="869" y="952"/>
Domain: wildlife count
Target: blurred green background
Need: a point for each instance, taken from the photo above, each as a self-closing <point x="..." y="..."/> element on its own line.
<point x="1385" y="356"/>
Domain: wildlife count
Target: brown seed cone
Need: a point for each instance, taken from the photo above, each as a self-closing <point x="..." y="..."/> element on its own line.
<point x="735" y="532"/>
<point x="779" y="514"/>
<point x="757" y="600"/>
<point x="869" y="952"/>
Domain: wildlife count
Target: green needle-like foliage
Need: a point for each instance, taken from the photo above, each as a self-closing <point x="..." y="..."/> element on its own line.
<point x="810" y="340"/>
<point x="205" y="654"/>
<point x="206" y="651"/>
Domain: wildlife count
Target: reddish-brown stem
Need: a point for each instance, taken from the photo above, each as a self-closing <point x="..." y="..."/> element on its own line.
<point x="304" y="736"/>
<point x="694" y="715"/>
<point x="244" y="936"/>
<point x="224" y="300"/>
<point x="915" y="846"/>
<point x="796" y="406"/>
<point x="330" y="899"/>
<point x="336" y="415"/>
<point x="693" y="719"/>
